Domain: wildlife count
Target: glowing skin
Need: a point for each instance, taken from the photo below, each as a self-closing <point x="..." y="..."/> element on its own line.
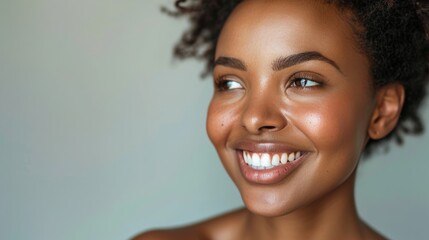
<point x="328" y="118"/>
<point x="289" y="78"/>
<point x="329" y="121"/>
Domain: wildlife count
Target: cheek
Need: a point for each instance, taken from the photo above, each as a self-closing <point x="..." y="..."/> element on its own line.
<point x="219" y="122"/>
<point x="213" y="124"/>
<point x="334" y="124"/>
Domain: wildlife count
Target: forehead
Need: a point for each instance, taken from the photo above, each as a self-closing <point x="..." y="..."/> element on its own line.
<point x="268" y="29"/>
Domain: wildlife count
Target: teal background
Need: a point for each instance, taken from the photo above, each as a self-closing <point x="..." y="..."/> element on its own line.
<point x="102" y="134"/>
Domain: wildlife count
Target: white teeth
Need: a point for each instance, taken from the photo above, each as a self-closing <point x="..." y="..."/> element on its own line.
<point x="284" y="158"/>
<point x="276" y="160"/>
<point x="246" y="157"/>
<point x="256" y="161"/>
<point x="291" y="157"/>
<point x="265" y="160"/>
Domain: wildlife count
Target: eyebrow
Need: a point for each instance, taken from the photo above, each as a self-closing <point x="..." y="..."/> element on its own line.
<point x="285" y="62"/>
<point x="280" y="63"/>
<point x="230" y="62"/>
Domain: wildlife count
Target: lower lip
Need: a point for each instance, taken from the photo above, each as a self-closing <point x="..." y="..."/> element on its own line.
<point x="268" y="176"/>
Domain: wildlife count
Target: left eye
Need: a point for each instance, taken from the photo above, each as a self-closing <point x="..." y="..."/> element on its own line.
<point x="229" y="85"/>
<point x="304" y="83"/>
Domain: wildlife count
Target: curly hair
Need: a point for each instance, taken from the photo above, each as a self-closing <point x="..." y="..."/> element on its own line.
<point x="392" y="33"/>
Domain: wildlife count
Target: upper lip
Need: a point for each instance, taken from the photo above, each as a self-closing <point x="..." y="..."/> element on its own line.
<point x="264" y="146"/>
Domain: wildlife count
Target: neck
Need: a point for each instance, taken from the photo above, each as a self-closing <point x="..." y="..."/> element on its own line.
<point x="334" y="216"/>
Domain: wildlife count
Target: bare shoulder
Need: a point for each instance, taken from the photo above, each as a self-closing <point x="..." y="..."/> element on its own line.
<point x="225" y="226"/>
<point x="165" y="235"/>
<point x="152" y="235"/>
<point x="189" y="232"/>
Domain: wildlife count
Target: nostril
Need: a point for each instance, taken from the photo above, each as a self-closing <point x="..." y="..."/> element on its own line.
<point x="267" y="128"/>
<point x="257" y="119"/>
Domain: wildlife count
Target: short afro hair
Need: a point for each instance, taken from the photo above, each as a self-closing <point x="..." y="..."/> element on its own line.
<point x="392" y="33"/>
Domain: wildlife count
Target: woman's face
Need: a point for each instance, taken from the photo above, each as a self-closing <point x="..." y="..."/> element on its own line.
<point x="292" y="105"/>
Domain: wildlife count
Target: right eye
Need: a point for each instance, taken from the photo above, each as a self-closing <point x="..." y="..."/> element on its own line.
<point x="228" y="84"/>
<point x="304" y="83"/>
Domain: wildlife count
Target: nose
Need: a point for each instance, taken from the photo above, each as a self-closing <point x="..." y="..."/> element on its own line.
<point x="263" y="114"/>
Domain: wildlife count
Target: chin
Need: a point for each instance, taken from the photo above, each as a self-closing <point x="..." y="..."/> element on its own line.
<point x="267" y="210"/>
<point x="268" y="205"/>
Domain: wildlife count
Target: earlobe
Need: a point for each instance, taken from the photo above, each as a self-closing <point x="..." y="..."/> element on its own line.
<point x="390" y="99"/>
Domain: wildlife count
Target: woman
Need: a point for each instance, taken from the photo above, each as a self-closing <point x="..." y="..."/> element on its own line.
<point x="302" y="90"/>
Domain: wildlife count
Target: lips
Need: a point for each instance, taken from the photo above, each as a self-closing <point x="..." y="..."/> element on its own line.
<point x="268" y="162"/>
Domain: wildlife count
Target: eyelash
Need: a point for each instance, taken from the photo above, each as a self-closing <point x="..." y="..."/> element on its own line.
<point x="221" y="84"/>
<point x="297" y="80"/>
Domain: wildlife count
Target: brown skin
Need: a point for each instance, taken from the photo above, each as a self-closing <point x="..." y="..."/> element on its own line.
<point x="331" y="118"/>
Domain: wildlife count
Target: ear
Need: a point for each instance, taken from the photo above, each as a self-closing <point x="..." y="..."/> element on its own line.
<point x="390" y="99"/>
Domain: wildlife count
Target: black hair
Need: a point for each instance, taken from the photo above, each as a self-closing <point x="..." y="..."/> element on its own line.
<point x="392" y="33"/>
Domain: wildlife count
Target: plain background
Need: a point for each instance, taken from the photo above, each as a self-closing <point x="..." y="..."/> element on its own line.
<point x="102" y="135"/>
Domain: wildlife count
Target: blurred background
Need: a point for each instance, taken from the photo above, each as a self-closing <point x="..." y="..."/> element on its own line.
<point x="102" y="134"/>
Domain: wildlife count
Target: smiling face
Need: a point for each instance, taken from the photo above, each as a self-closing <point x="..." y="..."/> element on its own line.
<point x="292" y="105"/>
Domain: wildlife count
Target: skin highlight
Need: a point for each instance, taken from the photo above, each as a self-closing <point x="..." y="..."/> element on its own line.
<point x="288" y="76"/>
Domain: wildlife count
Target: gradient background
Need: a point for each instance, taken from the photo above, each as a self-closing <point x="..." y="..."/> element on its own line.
<point x="102" y="135"/>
